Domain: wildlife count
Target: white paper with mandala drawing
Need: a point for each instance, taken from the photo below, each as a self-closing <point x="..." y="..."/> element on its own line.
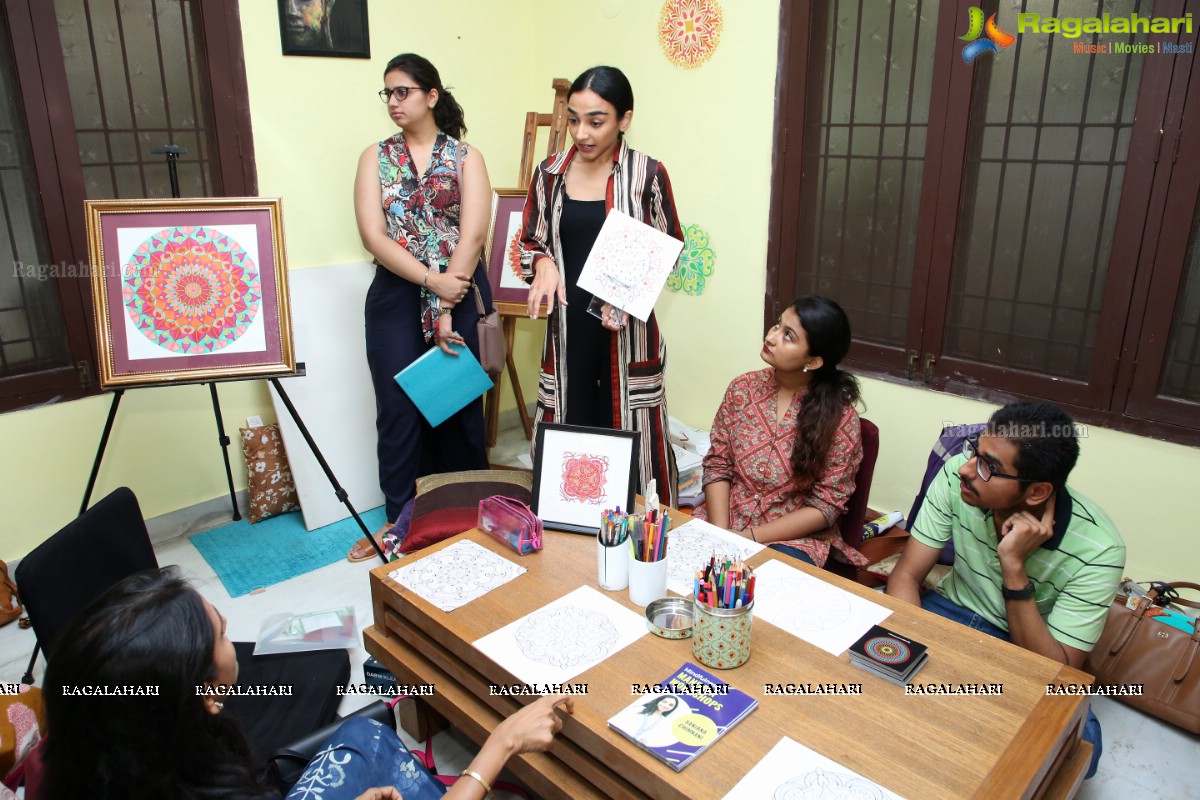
<point x="629" y="264"/>
<point x="456" y="575"/>
<point x="791" y="771"/>
<point x="564" y="638"/>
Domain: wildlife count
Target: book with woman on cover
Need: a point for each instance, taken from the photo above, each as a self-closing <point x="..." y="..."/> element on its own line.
<point x="680" y="718"/>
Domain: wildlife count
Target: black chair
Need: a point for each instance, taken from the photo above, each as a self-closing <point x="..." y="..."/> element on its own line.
<point x="109" y="542"/>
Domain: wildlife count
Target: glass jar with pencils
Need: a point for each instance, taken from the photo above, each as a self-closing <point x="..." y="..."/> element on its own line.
<point x="724" y="613"/>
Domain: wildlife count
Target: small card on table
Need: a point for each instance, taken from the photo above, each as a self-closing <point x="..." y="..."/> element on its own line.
<point x="888" y="655"/>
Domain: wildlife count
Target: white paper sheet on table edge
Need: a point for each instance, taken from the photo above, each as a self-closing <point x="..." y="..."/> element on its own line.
<point x="515" y="569"/>
<point x="833" y="640"/>
<point x="789" y="759"/>
<point x="500" y="645"/>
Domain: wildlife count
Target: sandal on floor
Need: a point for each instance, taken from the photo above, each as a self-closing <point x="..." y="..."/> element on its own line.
<point x="366" y="551"/>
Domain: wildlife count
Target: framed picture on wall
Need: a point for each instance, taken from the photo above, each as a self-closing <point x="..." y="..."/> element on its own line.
<point x="510" y="293"/>
<point x="579" y="472"/>
<point x="189" y="290"/>
<point x="334" y="28"/>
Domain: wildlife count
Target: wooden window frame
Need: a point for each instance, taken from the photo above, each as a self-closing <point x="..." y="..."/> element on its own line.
<point x="46" y="104"/>
<point x="1159" y="195"/>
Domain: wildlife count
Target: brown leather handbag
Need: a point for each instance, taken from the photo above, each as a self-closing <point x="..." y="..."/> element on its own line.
<point x="1136" y="650"/>
<point x="10" y="603"/>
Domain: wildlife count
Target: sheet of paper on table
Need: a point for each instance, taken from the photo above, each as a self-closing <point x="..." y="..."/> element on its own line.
<point x="629" y="264"/>
<point x="792" y="770"/>
<point x="456" y="575"/>
<point x="691" y="545"/>
<point x="563" y="638"/>
<point x="811" y="609"/>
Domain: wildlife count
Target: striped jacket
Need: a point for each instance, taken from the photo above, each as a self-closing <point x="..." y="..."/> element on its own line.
<point x="639" y="187"/>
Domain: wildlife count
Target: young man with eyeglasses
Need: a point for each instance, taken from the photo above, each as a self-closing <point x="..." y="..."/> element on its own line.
<point x="1035" y="563"/>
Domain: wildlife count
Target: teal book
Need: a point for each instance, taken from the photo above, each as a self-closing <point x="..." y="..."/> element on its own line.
<point x="441" y="385"/>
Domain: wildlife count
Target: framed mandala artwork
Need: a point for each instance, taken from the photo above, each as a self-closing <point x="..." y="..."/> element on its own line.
<point x="189" y="291"/>
<point x="580" y="472"/>
<point x="510" y="293"/>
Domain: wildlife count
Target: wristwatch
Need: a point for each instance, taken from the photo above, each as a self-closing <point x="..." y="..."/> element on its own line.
<point x="1017" y="594"/>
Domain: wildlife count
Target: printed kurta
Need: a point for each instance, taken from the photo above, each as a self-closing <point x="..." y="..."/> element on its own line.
<point x="753" y="453"/>
<point x="639" y="187"/>
<point x="423" y="211"/>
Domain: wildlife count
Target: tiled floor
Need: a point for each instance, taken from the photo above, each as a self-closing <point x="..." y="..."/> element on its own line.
<point x="1142" y="756"/>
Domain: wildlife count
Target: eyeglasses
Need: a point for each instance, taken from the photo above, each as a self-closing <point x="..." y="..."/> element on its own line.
<point x="398" y="92"/>
<point x="983" y="467"/>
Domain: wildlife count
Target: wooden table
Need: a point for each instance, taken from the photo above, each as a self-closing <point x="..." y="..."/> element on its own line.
<point x="1021" y="744"/>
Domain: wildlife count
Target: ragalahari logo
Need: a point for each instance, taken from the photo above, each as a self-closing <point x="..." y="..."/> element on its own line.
<point x="996" y="38"/>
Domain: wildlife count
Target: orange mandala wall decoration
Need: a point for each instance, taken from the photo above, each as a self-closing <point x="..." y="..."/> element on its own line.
<point x="689" y="31"/>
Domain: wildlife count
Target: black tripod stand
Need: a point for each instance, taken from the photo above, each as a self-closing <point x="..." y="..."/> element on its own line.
<point x="173" y="152"/>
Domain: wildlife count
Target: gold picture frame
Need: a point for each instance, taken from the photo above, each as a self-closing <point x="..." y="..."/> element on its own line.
<point x="189" y="290"/>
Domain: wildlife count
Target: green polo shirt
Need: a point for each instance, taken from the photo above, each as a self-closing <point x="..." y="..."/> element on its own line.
<point x="1075" y="573"/>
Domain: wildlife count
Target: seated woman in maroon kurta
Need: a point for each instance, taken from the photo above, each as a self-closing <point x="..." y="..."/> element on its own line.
<point x="786" y="442"/>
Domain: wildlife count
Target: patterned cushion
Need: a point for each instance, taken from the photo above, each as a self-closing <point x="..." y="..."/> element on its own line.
<point x="22" y="720"/>
<point x="448" y="504"/>
<point x="271" y="488"/>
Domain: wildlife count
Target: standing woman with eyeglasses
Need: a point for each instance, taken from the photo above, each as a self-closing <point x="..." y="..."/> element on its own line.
<point x="423" y="202"/>
<point x="786" y="441"/>
<point x="607" y="372"/>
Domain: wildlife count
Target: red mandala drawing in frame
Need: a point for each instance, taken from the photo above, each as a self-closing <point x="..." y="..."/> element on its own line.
<point x="513" y="254"/>
<point x="191" y="289"/>
<point x="583" y="478"/>
<point x="689" y="31"/>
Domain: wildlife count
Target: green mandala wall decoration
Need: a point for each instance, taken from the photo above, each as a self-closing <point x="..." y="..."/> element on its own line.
<point x="696" y="263"/>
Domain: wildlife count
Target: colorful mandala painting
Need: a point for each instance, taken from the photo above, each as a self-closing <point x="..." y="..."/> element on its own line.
<point x="689" y="31"/>
<point x="583" y="478"/>
<point x="695" y="265"/>
<point x="191" y="289"/>
<point x="513" y="254"/>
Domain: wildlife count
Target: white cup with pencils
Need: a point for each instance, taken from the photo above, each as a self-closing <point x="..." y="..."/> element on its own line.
<point x="647" y="553"/>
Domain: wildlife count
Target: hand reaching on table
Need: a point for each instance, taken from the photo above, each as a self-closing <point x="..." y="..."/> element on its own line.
<point x="532" y="729"/>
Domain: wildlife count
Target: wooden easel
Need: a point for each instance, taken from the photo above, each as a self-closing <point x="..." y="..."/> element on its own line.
<point x="556" y="121"/>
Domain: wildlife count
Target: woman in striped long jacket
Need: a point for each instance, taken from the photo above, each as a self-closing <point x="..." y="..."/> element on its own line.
<point x="606" y="372"/>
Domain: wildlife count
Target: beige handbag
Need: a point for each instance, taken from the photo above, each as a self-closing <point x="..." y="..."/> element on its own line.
<point x="493" y="349"/>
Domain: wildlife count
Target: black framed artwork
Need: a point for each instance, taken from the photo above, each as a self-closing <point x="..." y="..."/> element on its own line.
<point x="331" y="28"/>
<point x="579" y="472"/>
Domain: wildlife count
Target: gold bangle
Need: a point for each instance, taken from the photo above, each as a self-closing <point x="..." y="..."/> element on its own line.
<point x="470" y="773"/>
<point x="425" y="282"/>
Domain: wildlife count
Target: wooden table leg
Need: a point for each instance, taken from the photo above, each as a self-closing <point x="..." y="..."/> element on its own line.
<point x="510" y="333"/>
<point x="491" y="412"/>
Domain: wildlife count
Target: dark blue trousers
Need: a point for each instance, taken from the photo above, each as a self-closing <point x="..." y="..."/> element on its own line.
<point x="408" y="447"/>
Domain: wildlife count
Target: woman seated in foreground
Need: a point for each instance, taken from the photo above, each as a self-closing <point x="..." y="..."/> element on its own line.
<point x="786" y="442"/>
<point x="154" y="630"/>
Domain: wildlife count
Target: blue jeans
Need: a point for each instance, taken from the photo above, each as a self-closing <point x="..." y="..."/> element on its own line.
<point x="794" y="552"/>
<point x="932" y="601"/>
<point x="359" y="755"/>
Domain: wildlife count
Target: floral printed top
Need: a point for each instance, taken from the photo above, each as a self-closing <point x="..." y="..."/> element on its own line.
<point x="423" y="212"/>
<point x="753" y="453"/>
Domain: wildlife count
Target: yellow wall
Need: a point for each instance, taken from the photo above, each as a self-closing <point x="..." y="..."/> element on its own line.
<point x="711" y="126"/>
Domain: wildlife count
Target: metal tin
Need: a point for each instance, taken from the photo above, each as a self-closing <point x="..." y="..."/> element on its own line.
<point x="670" y="617"/>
